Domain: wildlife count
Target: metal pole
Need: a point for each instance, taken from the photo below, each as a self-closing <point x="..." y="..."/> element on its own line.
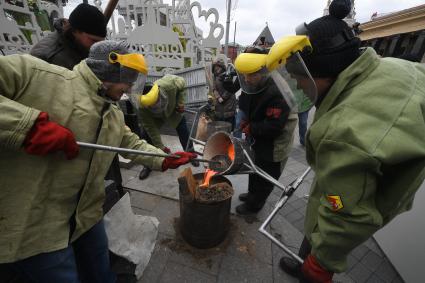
<point x="134" y="151"/>
<point x="110" y="9"/>
<point x="226" y="43"/>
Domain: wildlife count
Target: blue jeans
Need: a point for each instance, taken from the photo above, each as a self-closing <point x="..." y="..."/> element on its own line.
<point x="240" y="115"/>
<point x="302" y="126"/>
<point x="86" y="260"/>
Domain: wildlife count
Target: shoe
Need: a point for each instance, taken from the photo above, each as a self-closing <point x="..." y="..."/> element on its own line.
<point x="144" y="173"/>
<point x="290" y="266"/>
<point x="244" y="209"/>
<point x="194" y="163"/>
<point x="243" y="197"/>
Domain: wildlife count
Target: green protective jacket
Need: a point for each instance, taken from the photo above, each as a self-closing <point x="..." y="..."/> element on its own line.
<point x="175" y="89"/>
<point x="38" y="194"/>
<point x="367" y="148"/>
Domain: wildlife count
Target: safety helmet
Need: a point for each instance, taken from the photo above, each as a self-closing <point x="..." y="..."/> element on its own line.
<point x="290" y="74"/>
<point x="251" y="69"/>
<point x="150" y="95"/>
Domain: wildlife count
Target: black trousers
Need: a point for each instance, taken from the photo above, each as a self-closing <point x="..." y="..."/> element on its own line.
<point x="258" y="188"/>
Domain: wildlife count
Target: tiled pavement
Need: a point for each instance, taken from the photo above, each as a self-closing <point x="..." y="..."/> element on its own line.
<point x="245" y="255"/>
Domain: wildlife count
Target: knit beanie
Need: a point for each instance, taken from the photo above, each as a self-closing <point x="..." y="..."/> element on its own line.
<point x="89" y="19"/>
<point x="98" y="62"/>
<point x="335" y="47"/>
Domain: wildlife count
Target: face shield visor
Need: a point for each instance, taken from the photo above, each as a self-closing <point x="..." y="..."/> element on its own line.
<point x="133" y="70"/>
<point x="290" y="73"/>
<point x="252" y="72"/>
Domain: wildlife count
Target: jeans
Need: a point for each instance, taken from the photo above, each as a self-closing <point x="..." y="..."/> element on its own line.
<point x="302" y="126"/>
<point x="86" y="261"/>
<point x="240" y="115"/>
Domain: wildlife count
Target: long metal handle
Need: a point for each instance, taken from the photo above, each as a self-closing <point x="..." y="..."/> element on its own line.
<point x="134" y="151"/>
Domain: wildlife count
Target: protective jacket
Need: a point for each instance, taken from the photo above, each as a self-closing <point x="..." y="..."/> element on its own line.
<point x="271" y="124"/>
<point x="227" y="108"/>
<point x="57" y="49"/>
<point x="174" y="88"/>
<point x="367" y="149"/>
<point x="39" y="194"/>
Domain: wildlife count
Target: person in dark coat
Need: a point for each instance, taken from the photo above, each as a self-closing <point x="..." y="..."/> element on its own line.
<point x="73" y="37"/>
<point x="268" y="125"/>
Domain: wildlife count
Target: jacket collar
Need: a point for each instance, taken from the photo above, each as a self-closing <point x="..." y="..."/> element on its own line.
<point x="93" y="84"/>
<point x="350" y="77"/>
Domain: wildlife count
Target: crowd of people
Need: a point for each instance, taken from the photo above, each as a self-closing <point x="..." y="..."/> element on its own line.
<point x="365" y="143"/>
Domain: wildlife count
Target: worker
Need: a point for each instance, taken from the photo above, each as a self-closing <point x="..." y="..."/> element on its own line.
<point x="365" y="145"/>
<point x="71" y="41"/>
<point x="162" y="103"/>
<point x="269" y="126"/>
<point x="52" y="191"/>
<point x="224" y="102"/>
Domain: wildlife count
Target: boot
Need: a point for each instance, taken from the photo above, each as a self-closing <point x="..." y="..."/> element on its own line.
<point x="144" y="173"/>
<point x="243" y="197"/>
<point x="290" y="266"/>
<point x="245" y="209"/>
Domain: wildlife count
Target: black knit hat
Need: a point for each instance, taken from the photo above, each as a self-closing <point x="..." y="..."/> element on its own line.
<point x="89" y="19"/>
<point x="335" y="47"/>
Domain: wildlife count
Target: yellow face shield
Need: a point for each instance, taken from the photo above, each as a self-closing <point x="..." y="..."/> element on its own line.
<point x="290" y="74"/>
<point x="284" y="48"/>
<point x="248" y="63"/>
<point x="133" y="61"/>
<point x="252" y="72"/>
<point x="151" y="97"/>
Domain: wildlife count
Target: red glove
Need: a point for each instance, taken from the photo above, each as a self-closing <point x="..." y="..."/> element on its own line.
<point x="246" y="129"/>
<point x="180" y="108"/>
<point x="166" y="150"/>
<point x="46" y="137"/>
<point x="173" y="163"/>
<point x="312" y="271"/>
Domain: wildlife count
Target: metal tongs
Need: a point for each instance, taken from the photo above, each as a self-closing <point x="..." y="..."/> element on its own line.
<point x="134" y="151"/>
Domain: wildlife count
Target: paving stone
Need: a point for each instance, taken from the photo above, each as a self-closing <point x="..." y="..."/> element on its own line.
<point x="144" y="201"/>
<point x="204" y="260"/>
<point x="398" y="279"/>
<point x="351" y="262"/>
<point x="386" y="271"/>
<point x="244" y="240"/>
<point x="175" y="273"/>
<point x="244" y="269"/>
<point x="359" y="273"/>
<point x="299" y="203"/>
<point x="128" y="175"/>
<point x="299" y="225"/>
<point x="157" y="263"/>
<point x="167" y="211"/>
<point x="372" y="261"/>
<point x="294" y="216"/>
<point x="139" y="211"/>
<point x="375" y="279"/>
<point x="373" y="245"/>
<point x="360" y="251"/>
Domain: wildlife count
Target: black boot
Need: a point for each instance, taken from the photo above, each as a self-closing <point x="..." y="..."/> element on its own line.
<point x="243" y="197"/>
<point x="290" y="266"/>
<point x="144" y="173"/>
<point x="245" y="209"/>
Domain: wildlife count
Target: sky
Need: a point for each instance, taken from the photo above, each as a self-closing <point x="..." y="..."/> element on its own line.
<point x="282" y="16"/>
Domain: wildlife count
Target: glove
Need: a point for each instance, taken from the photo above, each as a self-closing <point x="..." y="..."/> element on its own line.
<point x="166" y="150"/>
<point x="173" y="163"/>
<point x="180" y="108"/>
<point x="47" y="137"/>
<point x="312" y="272"/>
<point x="245" y="127"/>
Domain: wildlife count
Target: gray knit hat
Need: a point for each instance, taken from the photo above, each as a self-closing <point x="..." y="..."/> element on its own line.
<point x="98" y="62"/>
